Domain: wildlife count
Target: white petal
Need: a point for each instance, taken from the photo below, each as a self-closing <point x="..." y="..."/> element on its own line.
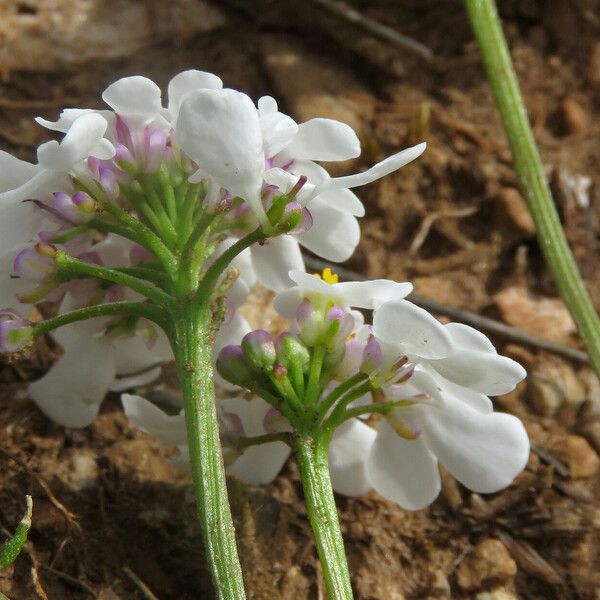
<point x="220" y="130"/>
<point x="401" y="322"/>
<point x="278" y="131"/>
<point x="267" y="105"/>
<point x="14" y="172"/>
<point x="19" y="222"/>
<point x="274" y="260"/>
<point x="68" y="116"/>
<point x="343" y="200"/>
<point x="261" y="464"/>
<point x="348" y="452"/>
<point x="132" y="355"/>
<point x="120" y="384"/>
<point x="151" y="419"/>
<point x="135" y="96"/>
<point x="325" y="139"/>
<point x="385" y="167"/>
<point x="469" y="338"/>
<point x="311" y="283"/>
<point x="485" y="452"/>
<point x="67" y="394"/>
<point x="403" y="471"/>
<point x="189" y="81"/>
<point x="78" y="144"/>
<point x="372" y="293"/>
<point x="483" y="372"/>
<point x="334" y="234"/>
<point x="286" y="302"/>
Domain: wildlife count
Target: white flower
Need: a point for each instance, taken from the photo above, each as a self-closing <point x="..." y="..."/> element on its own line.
<point x="356" y="294"/>
<point x="238" y="417"/>
<point x="56" y="160"/>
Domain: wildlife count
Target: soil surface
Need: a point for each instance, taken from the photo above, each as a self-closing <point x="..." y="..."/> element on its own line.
<point x="112" y="515"/>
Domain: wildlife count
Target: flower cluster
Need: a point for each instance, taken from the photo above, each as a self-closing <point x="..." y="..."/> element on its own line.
<point x="330" y="371"/>
<point x="138" y="187"/>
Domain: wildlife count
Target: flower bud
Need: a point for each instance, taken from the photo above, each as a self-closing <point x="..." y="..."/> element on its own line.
<point x="233" y="366"/>
<point x="259" y="349"/>
<point x="36" y="264"/>
<point x="290" y="350"/>
<point x="74" y="209"/>
<point x="15" y="332"/>
<point x="279" y="372"/>
<point x="309" y="320"/>
<point x="338" y="325"/>
<point x="372" y="357"/>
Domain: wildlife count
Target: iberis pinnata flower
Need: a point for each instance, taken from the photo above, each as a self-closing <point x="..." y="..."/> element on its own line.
<point x="429" y="381"/>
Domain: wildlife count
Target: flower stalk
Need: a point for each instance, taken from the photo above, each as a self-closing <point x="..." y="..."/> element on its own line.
<point x="311" y="455"/>
<point x="505" y="87"/>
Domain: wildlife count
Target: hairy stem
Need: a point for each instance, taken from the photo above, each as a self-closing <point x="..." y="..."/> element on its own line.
<point x="322" y="513"/>
<point x="192" y="346"/>
<point x="552" y="240"/>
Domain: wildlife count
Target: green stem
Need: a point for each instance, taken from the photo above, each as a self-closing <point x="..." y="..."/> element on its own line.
<point x="209" y="281"/>
<point x="192" y="346"/>
<point x="11" y="549"/>
<point x="72" y="268"/>
<point x="314" y="375"/>
<point x="323" y="516"/>
<point x="337" y="416"/>
<point x="135" y="309"/>
<point x="188" y="254"/>
<point x="246" y="442"/>
<point x="337" y="393"/>
<point x="553" y="243"/>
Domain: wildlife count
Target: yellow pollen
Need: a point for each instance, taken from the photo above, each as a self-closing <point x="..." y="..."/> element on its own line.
<point x="328" y="276"/>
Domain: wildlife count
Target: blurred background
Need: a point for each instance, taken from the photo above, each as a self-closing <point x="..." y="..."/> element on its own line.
<point x="112" y="515"/>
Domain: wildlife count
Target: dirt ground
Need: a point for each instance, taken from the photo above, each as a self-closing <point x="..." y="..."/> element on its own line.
<point x="111" y="513"/>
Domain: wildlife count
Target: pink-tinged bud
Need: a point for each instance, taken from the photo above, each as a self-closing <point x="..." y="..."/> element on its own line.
<point x="233" y="366"/>
<point x="108" y="181"/>
<point x="309" y="321"/>
<point x="76" y="209"/>
<point x="352" y="361"/>
<point x="15" y="332"/>
<point x="259" y="349"/>
<point x="123" y="132"/>
<point x="337" y="327"/>
<point x="36" y="264"/>
<point x="279" y="372"/>
<point x="295" y="219"/>
<point x="93" y="165"/>
<point x="155" y="142"/>
<point x="372" y="357"/>
<point x="123" y="156"/>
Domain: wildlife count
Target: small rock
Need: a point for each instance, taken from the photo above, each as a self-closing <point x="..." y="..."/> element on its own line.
<point x="573" y="115"/>
<point x="497" y="594"/>
<point x="594" y="66"/>
<point x="83" y="469"/>
<point x="546" y="317"/>
<point x="439" y="586"/>
<point x="489" y="562"/>
<point x="554" y="385"/>
<point x="139" y="458"/>
<point x="577" y="454"/>
<point x="512" y="205"/>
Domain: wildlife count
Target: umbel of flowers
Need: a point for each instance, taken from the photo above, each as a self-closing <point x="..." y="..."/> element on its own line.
<point x="147" y="225"/>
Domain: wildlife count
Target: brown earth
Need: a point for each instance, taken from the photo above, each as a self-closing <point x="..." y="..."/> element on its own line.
<point x="111" y="512"/>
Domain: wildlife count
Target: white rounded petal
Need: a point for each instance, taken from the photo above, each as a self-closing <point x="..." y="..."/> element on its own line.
<point x="151" y="419"/>
<point x="68" y="116"/>
<point x="348" y="452"/>
<point x="260" y="464"/>
<point x="19" y="222"/>
<point x="381" y="169"/>
<point x="189" y="81"/>
<point x="372" y="293"/>
<point x="334" y="234"/>
<point x="278" y="131"/>
<point x="267" y="105"/>
<point x="79" y="142"/>
<point x="220" y="130"/>
<point x="286" y="302"/>
<point x="469" y="338"/>
<point x="343" y="200"/>
<point x="403" y="471"/>
<point x="274" y="260"/>
<point x="68" y="394"/>
<point x="325" y="139"/>
<point x="485" y="452"/>
<point x="401" y="322"/>
<point x="135" y="96"/>
<point x="483" y="372"/>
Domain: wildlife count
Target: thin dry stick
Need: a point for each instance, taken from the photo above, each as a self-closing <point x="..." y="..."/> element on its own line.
<point x="468" y="317"/>
<point x="140" y="584"/>
<point x="383" y="31"/>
